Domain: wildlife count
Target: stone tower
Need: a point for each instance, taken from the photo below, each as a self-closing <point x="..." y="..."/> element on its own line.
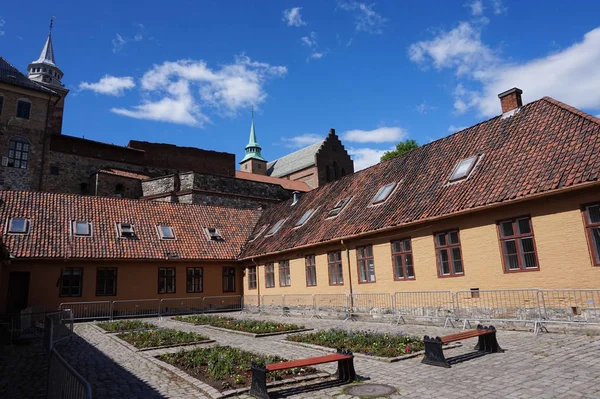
<point x="44" y="70"/>
<point x="253" y="161"/>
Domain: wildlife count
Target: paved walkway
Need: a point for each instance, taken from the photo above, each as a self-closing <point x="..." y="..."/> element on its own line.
<point x="550" y="366"/>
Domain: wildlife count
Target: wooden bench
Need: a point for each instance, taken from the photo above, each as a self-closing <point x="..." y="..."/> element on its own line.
<point x="487" y="343"/>
<point x="345" y="371"/>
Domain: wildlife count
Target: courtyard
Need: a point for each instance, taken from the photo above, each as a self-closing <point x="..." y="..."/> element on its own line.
<point x="561" y="365"/>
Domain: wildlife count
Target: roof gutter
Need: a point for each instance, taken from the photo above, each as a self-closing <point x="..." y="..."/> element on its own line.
<point x="349" y="274"/>
<point x="448" y="216"/>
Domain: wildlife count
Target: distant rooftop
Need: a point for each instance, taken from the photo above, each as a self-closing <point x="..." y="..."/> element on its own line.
<point x="298" y="160"/>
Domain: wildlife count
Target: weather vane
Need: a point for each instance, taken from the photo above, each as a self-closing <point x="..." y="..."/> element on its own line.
<point x="51" y="22"/>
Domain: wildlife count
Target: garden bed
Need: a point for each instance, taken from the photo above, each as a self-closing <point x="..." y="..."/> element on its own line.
<point x="161" y="338"/>
<point x="384" y="346"/>
<point x="225" y="368"/>
<point x="256" y="328"/>
<point x="124" y="325"/>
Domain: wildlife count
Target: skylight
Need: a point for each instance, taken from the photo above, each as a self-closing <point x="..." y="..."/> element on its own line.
<point x="166" y="232"/>
<point x="305" y="217"/>
<point x="275" y="227"/>
<point x="383" y="193"/>
<point x="338" y="207"/>
<point x="126" y="230"/>
<point x="258" y="233"/>
<point x="18" y="226"/>
<point x="81" y="228"/>
<point x="213" y="234"/>
<point x="464" y="168"/>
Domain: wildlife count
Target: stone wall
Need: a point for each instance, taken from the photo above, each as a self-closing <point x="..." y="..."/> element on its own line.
<point x="109" y="185"/>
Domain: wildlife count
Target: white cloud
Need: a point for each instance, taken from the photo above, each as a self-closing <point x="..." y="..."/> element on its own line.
<point x="454" y="129"/>
<point x="2" y="23"/>
<point x="476" y="8"/>
<point x="379" y="135"/>
<point x="570" y="75"/>
<point x="498" y="7"/>
<point x="292" y="17"/>
<point x="226" y="90"/>
<point x="365" y="157"/>
<point x="317" y="55"/>
<point x="302" y="140"/>
<point x="366" y="20"/>
<point x="110" y="85"/>
<point x="120" y="41"/>
<point x="424" y="108"/>
<point x="310" y="40"/>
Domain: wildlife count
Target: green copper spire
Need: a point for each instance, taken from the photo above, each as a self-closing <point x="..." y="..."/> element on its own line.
<point x="253" y="149"/>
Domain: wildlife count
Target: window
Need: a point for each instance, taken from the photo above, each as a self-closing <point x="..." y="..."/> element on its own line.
<point x="18" y="153"/>
<point x="126" y="230"/>
<point x="311" y="271"/>
<point x="18" y="226"/>
<point x="166" y="280"/>
<point x="165" y="232"/>
<point x="383" y="194"/>
<point x="106" y="281"/>
<point x="338" y="207"/>
<point x="464" y="168"/>
<point x="71" y="281"/>
<point x="194" y="279"/>
<point x="449" y="257"/>
<point x="284" y="273"/>
<point x="252" y="278"/>
<point x="229" y="279"/>
<point x="269" y="275"/>
<point x="403" y="260"/>
<point x="213" y="234"/>
<point x="254" y="236"/>
<point x="54" y="170"/>
<point x="592" y="224"/>
<point x="366" y="264"/>
<point x="305" y="217"/>
<point x="80" y="228"/>
<point x="275" y="227"/>
<point x="518" y="246"/>
<point x="334" y="263"/>
<point x="23" y="109"/>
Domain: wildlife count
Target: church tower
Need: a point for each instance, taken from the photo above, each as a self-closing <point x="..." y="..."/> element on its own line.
<point x="44" y="70"/>
<point x="253" y="161"/>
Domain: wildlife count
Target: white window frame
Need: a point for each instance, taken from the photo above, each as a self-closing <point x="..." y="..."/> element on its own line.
<point x="339" y="206"/>
<point x="216" y="236"/>
<point x="476" y="158"/>
<point x="387" y="197"/>
<point x="275" y="228"/>
<point x="18" y="233"/>
<point x="120" y="230"/>
<point x="74" y="228"/>
<point x="162" y="236"/>
<point x="298" y="224"/>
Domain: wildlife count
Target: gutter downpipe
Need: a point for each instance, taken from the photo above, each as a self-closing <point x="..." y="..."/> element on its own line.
<point x="257" y="282"/>
<point x="349" y="274"/>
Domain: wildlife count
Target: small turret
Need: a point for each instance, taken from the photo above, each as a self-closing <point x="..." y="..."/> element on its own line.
<point x="253" y="161"/>
<point x="44" y="69"/>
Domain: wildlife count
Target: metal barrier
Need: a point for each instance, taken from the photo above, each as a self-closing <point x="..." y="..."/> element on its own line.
<point x="498" y="305"/>
<point x="135" y="308"/>
<point x="372" y="303"/>
<point x="63" y="381"/>
<point x="88" y="310"/>
<point x="330" y="303"/>
<point x="571" y="306"/>
<point x="58" y="326"/>
<point x="251" y="303"/>
<point x="222" y="303"/>
<point x="298" y="304"/>
<point x="271" y="303"/>
<point x="423" y="304"/>
<point x="179" y="306"/>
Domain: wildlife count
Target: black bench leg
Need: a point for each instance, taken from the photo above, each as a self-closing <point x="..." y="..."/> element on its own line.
<point x="434" y="354"/>
<point x="481" y="340"/>
<point x="258" y="388"/>
<point x="488" y="342"/>
<point x="345" y="371"/>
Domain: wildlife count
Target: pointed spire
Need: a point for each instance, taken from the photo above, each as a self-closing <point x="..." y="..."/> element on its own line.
<point x="47" y="54"/>
<point x="253" y="148"/>
<point x="44" y="70"/>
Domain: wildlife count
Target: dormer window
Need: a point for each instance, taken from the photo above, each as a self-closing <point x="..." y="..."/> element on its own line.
<point x="275" y="227"/>
<point x="383" y="194"/>
<point x="213" y="234"/>
<point x="338" y="207"/>
<point x="305" y="217"/>
<point x="464" y="168"/>
<point x="253" y="237"/>
<point x="165" y="232"/>
<point x="81" y="228"/>
<point x="18" y="226"/>
<point x="126" y="230"/>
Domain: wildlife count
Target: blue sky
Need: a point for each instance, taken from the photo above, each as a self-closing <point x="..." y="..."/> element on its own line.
<point x="189" y="72"/>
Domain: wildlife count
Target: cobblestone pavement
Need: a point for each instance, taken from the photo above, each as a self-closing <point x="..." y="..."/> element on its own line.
<point x="23" y="371"/>
<point x="549" y="366"/>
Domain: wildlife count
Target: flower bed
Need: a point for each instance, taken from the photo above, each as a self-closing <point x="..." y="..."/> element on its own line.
<point x="164" y="337"/>
<point x="125" y="325"/>
<point x="224" y="368"/>
<point x="364" y="341"/>
<point x="249" y="326"/>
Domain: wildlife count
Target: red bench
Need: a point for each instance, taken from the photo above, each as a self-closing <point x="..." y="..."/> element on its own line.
<point x="345" y="371"/>
<point x="487" y="343"/>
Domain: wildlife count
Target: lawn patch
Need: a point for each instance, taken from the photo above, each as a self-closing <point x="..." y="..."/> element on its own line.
<point x="125" y="325"/>
<point x="256" y="327"/>
<point x="225" y="368"/>
<point x="153" y="338"/>
<point x="367" y="342"/>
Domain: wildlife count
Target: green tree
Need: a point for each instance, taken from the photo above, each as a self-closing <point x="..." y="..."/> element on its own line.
<point x="401" y="148"/>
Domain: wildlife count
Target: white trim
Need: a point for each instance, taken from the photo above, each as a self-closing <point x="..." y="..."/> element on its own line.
<point x="397" y="184"/>
<point x="160" y="234"/>
<point x="341" y="210"/>
<point x="278" y="228"/>
<point x="314" y="210"/>
<point x="467" y="177"/>
<point x="72" y="224"/>
<point x="27" y="225"/>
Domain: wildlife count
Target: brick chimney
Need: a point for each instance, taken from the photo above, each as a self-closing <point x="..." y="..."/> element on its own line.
<point x="510" y="99"/>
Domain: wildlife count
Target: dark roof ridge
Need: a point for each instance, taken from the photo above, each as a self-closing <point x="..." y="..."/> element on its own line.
<point x="37" y="85"/>
<point x="573" y="110"/>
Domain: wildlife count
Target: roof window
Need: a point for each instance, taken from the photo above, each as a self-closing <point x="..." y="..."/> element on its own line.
<point x="254" y="236"/>
<point x="275" y="227"/>
<point x="339" y="207"/>
<point x="464" y="168"/>
<point x="213" y="234"/>
<point x="383" y="194"/>
<point x="165" y="232"/>
<point x="126" y="230"/>
<point x="305" y="217"/>
<point x="81" y="228"/>
<point x="18" y="226"/>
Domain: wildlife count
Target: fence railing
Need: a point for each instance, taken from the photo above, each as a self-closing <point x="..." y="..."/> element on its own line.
<point x="63" y="381"/>
<point x="573" y="306"/>
<point x="58" y="326"/>
<point x="88" y="310"/>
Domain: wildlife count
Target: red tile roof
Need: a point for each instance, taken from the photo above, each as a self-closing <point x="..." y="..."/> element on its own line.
<point x="545" y="146"/>
<point x="291" y="185"/>
<point x="124" y="173"/>
<point x="50" y="237"/>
